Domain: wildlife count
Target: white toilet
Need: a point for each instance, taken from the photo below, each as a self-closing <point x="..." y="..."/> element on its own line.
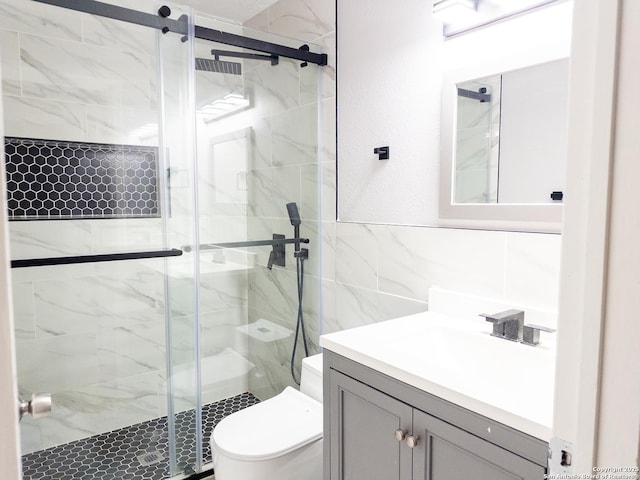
<point x="280" y="438"/>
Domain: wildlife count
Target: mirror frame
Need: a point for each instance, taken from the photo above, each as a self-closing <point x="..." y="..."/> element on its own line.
<point x="546" y="218"/>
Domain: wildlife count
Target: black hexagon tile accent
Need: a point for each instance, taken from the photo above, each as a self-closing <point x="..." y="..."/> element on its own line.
<point x="138" y="452"/>
<point x="51" y="179"/>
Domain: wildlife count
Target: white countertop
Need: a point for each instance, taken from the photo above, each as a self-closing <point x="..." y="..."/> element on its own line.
<point x="457" y="360"/>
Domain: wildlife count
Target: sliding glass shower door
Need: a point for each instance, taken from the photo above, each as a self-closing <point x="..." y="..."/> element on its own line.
<point x="177" y="146"/>
<point x="98" y="118"/>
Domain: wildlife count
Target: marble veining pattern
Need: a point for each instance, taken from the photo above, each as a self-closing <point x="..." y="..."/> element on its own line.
<point x="357" y="247"/>
<point x="301" y="19"/>
<point x="82" y="73"/>
<point x="295" y="136"/>
<point x="40" y="19"/>
<point x="105" y="32"/>
<point x="42" y="118"/>
<point x="10" y="57"/>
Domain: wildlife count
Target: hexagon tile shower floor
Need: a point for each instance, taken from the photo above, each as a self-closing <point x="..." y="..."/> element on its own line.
<point x="137" y="452"/>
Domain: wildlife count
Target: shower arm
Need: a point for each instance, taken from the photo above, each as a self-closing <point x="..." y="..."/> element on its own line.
<point x="249" y="243"/>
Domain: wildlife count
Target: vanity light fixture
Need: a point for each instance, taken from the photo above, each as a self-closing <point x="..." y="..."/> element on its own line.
<point x="455" y="11"/>
<point x="459" y="16"/>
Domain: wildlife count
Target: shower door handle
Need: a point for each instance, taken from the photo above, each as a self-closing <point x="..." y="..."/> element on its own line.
<point x="39" y="406"/>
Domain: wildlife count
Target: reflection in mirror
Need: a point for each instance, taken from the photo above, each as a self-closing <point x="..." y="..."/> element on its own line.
<point x="503" y="143"/>
<point x="477" y="134"/>
<point x="510" y="138"/>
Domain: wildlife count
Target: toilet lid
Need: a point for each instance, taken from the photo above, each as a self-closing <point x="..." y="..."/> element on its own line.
<point x="269" y="429"/>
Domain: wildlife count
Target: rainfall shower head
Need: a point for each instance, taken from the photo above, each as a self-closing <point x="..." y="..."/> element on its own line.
<point x="218" y="66"/>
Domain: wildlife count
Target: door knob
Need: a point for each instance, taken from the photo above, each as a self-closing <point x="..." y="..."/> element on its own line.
<point x="39" y="406"/>
<point x="412" y="441"/>
<point x="400" y="434"/>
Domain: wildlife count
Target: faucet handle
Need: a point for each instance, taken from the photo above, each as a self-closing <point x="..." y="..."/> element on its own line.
<point x="531" y="333"/>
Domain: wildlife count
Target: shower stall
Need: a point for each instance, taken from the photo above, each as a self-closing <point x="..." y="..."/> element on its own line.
<point x="150" y="158"/>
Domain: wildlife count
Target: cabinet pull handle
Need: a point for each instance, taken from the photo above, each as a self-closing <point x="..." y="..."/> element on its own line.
<point x="412" y="441"/>
<point x="400" y="434"/>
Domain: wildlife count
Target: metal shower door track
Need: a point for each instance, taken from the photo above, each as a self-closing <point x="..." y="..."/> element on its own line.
<point x="180" y="26"/>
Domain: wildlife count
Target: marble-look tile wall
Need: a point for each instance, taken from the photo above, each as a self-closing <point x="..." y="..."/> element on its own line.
<point x="385" y="271"/>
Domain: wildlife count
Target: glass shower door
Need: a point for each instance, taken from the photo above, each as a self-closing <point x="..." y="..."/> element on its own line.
<point x="88" y="102"/>
<point x="177" y="145"/>
<point x="257" y="139"/>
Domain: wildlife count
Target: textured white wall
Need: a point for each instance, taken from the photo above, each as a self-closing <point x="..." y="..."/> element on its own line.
<point x="389" y="78"/>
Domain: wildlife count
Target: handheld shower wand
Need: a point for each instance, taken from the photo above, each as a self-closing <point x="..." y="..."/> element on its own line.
<point x="301" y="255"/>
<point x="294" y="217"/>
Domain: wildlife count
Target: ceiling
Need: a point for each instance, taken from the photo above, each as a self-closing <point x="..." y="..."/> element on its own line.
<point x="236" y="10"/>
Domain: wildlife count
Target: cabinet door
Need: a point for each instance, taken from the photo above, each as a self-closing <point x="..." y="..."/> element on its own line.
<point x="363" y="427"/>
<point x="445" y="452"/>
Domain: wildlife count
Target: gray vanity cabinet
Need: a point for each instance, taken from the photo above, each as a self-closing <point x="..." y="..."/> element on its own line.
<point x="370" y="434"/>
<point x="445" y="452"/>
<point x="363" y="433"/>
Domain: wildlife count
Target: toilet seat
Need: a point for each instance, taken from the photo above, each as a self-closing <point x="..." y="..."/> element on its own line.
<point x="271" y="428"/>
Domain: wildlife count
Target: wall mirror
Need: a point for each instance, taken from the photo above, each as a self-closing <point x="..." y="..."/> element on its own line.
<point x="504" y="136"/>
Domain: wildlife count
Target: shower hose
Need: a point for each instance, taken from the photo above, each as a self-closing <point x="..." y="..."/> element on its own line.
<point x="300" y="329"/>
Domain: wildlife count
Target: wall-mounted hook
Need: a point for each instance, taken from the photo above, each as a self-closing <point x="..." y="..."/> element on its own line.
<point x="382" y="152"/>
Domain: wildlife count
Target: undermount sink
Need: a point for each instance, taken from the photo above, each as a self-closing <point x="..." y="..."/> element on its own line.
<point x="458" y="360"/>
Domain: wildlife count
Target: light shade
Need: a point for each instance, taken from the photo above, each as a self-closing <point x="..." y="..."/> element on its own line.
<point x="455" y="11"/>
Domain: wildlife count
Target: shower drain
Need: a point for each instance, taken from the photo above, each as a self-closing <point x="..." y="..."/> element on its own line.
<point x="150" y="458"/>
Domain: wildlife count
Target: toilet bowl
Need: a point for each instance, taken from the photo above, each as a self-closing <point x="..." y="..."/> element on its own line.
<point x="280" y="438"/>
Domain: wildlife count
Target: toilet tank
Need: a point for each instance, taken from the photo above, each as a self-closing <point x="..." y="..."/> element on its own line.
<point x="311" y="377"/>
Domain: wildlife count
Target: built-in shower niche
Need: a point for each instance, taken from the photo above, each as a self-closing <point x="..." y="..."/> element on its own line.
<point x="52" y="179"/>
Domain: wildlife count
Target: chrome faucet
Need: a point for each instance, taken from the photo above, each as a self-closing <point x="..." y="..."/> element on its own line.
<point x="508" y="324"/>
